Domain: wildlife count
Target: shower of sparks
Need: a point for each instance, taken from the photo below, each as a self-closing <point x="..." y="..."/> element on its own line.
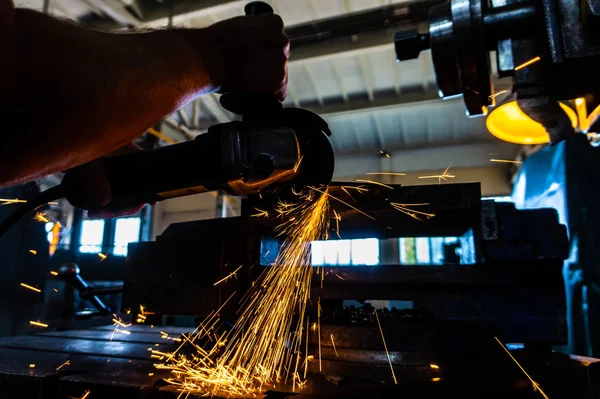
<point x="498" y="93"/>
<point x="33" y="251"/>
<point x="230" y="275"/>
<point x="30" y="287"/>
<point x="385" y="347"/>
<point x="505" y="161"/>
<point x="67" y="363"/>
<point x="526" y="64"/>
<point x="326" y="193"/>
<point x="386" y="173"/>
<point x="41" y="217"/>
<point x="8" y="201"/>
<point x="263" y="348"/>
<point x="38" y="324"/>
<point x="374" y="182"/>
<point x="444" y="176"/>
<point x="536" y="386"/>
<point x="101" y="255"/>
<point x="54" y="273"/>
<point x="260" y="214"/>
<point x="405" y="208"/>
<point x="333" y="343"/>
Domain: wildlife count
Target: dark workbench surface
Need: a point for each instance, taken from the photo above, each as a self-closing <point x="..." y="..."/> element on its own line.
<point x="121" y="367"/>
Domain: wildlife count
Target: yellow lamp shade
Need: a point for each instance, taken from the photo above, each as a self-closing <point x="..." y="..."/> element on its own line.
<point x="509" y="123"/>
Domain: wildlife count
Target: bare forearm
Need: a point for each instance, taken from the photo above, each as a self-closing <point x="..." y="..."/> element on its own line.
<point x="79" y="94"/>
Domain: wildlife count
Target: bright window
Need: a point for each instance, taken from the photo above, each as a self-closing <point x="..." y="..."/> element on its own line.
<point x="357" y="252"/>
<point x="92" y="236"/>
<point x="429" y="250"/>
<point x="127" y="230"/>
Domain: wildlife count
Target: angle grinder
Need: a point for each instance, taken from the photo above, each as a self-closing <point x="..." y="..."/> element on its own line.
<point x="271" y="147"/>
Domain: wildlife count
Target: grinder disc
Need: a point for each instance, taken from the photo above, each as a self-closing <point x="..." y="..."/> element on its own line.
<point x="316" y="167"/>
<point x="318" y="161"/>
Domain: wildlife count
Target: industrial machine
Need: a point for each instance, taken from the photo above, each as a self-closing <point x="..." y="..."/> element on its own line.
<point x="551" y="48"/>
<point x="440" y="323"/>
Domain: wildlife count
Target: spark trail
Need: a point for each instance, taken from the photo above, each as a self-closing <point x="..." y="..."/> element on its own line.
<point x="263" y="348"/>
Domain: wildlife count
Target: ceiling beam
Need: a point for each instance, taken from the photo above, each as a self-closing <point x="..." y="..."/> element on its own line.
<point x="115" y="10"/>
<point x="380" y="100"/>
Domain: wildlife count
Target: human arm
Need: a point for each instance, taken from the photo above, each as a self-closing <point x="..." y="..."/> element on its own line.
<point x="71" y="95"/>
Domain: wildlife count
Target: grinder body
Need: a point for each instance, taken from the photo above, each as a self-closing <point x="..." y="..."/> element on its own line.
<point x="235" y="157"/>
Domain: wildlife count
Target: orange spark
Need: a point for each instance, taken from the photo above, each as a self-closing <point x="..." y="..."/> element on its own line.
<point x="41" y="217"/>
<point x="101" y="255"/>
<point x="375" y="182"/>
<point x="38" y="324"/>
<point x="8" y="201"/>
<point x="54" y="273"/>
<point x="536" y="386"/>
<point x="230" y="275"/>
<point x="444" y="176"/>
<point x="526" y="64"/>
<point x="33" y="251"/>
<point x="30" y="287"/>
<point x="497" y="94"/>
<point x="333" y="343"/>
<point x="298" y="164"/>
<point x="385" y="347"/>
<point x="505" y="161"/>
<point x="67" y="363"/>
<point x="260" y="214"/>
<point x="386" y="173"/>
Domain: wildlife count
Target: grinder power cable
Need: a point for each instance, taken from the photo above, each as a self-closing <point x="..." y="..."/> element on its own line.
<point x="271" y="147"/>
